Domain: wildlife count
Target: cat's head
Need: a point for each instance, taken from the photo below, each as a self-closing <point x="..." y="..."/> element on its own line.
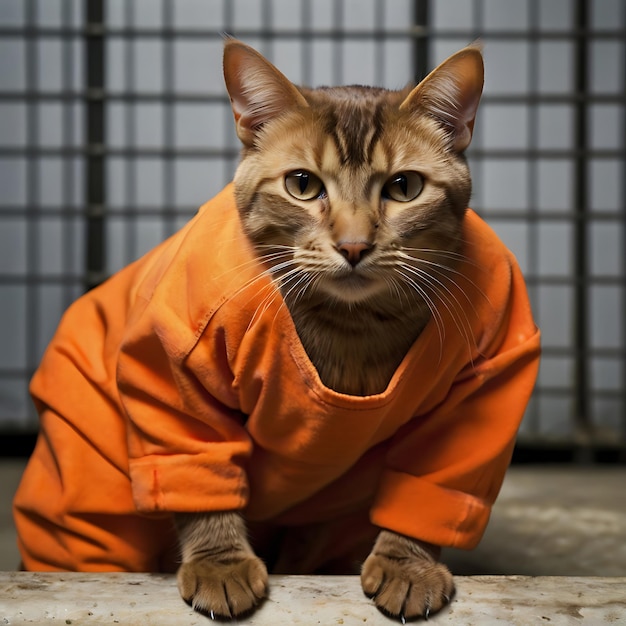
<point x="351" y="192"/>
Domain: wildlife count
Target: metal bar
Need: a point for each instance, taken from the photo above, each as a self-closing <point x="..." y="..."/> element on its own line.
<point x="531" y="280"/>
<point x="492" y="216"/>
<point x="421" y="57"/>
<point x="380" y="50"/>
<point x="95" y="140"/>
<point x="33" y="215"/>
<point x="582" y="417"/>
<point x="68" y="111"/>
<point x="231" y="150"/>
<point x="306" y="56"/>
<point x="532" y="417"/>
<point x="169" y="141"/>
<point x="173" y="151"/>
<point x="181" y="96"/>
<point x="622" y="134"/>
<point x="338" y="44"/>
<point x="321" y="33"/>
<point x="129" y="233"/>
<point x="267" y="43"/>
<point x="476" y="152"/>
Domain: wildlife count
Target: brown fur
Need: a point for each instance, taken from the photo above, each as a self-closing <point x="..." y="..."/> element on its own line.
<point x="361" y="273"/>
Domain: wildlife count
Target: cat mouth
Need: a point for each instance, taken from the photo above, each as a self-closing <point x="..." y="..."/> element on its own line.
<point x="346" y="274"/>
<point x="351" y="286"/>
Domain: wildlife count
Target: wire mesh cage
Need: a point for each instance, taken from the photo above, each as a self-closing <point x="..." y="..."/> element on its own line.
<point x="115" y="127"/>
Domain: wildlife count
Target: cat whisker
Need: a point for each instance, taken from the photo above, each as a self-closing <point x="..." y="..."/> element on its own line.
<point x="440" y="273"/>
<point x="303" y="281"/>
<point x="452" y="304"/>
<point x="443" y="272"/>
<point x="445" y="294"/>
<point x="275" y="245"/>
<point x="270" y="285"/>
<point x="445" y="269"/>
<point x="432" y="307"/>
<point x="265" y="303"/>
<point x="389" y="266"/>
<point x="280" y="282"/>
<point x="258" y="262"/>
<point x="394" y="288"/>
<point x="287" y="275"/>
<point x="446" y="254"/>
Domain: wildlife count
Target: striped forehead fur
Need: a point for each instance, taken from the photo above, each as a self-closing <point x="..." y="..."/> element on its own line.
<point x="354" y="118"/>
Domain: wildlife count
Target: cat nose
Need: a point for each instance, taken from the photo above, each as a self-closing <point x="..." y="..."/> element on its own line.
<point x="354" y="251"/>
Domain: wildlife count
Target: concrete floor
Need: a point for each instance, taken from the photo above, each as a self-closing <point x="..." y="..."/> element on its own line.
<point x="10" y="472"/>
<point x="548" y="521"/>
<point x="553" y="521"/>
<point x="140" y="599"/>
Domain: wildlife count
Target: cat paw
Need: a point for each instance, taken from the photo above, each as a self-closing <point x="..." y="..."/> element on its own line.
<point x="406" y="588"/>
<point x="223" y="590"/>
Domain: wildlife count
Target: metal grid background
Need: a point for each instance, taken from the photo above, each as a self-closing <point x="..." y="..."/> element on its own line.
<point x="114" y="127"/>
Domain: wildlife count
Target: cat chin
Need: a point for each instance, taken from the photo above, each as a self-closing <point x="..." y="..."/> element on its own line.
<point x="352" y="290"/>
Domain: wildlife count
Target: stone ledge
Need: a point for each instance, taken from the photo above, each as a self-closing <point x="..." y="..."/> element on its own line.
<point x="153" y="599"/>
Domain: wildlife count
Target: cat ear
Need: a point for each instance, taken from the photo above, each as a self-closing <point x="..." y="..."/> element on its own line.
<point x="258" y="91"/>
<point x="451" y="93"/>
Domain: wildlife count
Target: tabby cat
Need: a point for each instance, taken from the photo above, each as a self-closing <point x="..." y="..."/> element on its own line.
<point x="354" y="199"/>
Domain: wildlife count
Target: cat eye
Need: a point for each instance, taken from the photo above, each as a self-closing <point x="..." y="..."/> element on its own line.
<point x="403" y="186"/>
<point x="303" y="185"/>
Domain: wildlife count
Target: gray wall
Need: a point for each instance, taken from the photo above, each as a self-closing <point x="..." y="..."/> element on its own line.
<point x="166" y="157"/>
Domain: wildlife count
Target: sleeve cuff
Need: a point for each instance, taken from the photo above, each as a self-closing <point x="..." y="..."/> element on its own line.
<point x="422" y="510"/>
<point x="186" y="484"/>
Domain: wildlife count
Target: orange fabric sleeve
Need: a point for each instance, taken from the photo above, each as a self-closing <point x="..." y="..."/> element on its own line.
<point x="187" y="442"/>
<point x="74" y="509"/>
<point x="445" y="468"/>
<point x="187" y="450"/>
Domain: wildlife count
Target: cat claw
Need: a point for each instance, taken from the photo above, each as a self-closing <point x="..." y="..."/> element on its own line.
<point x="427" y="613"/>
<point x="402" y="619"/>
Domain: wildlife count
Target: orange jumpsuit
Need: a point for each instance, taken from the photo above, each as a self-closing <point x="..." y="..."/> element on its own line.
<point x="180" y="384"/>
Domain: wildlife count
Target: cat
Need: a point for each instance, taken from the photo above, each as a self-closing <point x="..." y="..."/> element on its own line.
<point x="323" y="371"/>
<point x="354" y="198"/>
